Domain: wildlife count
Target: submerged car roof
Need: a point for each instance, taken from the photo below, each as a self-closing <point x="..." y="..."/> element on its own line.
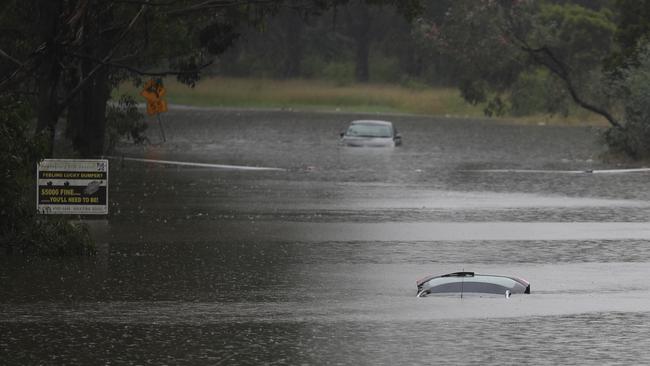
<point x="467" y="274"/>
<point x="471" y="282"/>
<point x="371" y="122"/>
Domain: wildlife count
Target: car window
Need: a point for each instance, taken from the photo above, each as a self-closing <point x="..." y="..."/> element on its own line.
<point x="368" y="130"/>
<point x="489" y="284"/>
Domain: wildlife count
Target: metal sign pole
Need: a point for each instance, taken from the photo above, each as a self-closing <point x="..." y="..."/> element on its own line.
<point x="162" y="130"/>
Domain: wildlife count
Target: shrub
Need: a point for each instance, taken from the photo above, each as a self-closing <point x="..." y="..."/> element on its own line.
<point x="124" y="119"/>
<point x="633" y="138"/>
<point x="536" y="92"/>
<point x="312" y="67"/>
<point x="342" y="73"/>
<point x="22" y="231"/>
<point x="385" y="70"/>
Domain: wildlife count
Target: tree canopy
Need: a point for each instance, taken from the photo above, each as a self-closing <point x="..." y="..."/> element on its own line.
<point x="513" y="56"/>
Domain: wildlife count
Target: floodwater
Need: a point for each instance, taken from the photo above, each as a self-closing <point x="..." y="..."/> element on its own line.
<point x="316" y="263"/>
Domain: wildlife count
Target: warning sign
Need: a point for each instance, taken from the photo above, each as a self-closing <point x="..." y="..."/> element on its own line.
<point x="72" y="186"/>
<point x="154" y="91"/>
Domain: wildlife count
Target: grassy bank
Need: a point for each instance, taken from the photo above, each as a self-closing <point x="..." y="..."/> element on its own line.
<point x="328" y="96"/>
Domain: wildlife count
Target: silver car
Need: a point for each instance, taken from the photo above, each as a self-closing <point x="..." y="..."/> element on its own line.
<point x="371" y="133"/>
<point x="471" y="283"/>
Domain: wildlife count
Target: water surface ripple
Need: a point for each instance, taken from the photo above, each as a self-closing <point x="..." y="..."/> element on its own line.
<point x="316" y="264"/>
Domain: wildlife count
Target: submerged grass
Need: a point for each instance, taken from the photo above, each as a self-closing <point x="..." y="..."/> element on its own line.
<point x="330" y="96"/>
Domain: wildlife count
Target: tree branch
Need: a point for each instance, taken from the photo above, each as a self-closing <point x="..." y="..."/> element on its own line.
<point x="12" y="59"/>
<point x="103" y="62"/>
<point x="135" y="70"/>
<point x="559" y="69"/>
<point x="161" y="73"/>
<point x="219" y="4"/>
<point x="13" y="76"/>
<point x="154" y="3"/>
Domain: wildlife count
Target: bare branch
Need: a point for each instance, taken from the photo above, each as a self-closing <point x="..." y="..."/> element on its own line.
<point x="135" y="70"/>
<point x="12" y="59"/>
<point x="161" y="73"/>
<point x="220" y="4"/>
<point x="26" y="70"/>
<point x="152" y="3"/>
<point x="103" y="62"/>
<point x="206" y="4"/>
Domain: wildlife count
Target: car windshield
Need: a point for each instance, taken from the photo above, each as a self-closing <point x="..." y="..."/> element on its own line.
<point x="369" y="130"/>
<point x="478" y="283"/>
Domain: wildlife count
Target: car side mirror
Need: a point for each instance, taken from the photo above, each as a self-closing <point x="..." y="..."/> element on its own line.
<point x="342" y="134"/>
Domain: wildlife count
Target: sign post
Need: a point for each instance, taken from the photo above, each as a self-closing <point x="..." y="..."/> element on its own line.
<point x="72" y="186"/>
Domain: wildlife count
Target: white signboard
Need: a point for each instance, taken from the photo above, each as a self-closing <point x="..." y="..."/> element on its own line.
<point x="72" y="186"/>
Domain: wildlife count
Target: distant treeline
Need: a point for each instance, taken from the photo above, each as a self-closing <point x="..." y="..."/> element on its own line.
<point x="355" y="42"/>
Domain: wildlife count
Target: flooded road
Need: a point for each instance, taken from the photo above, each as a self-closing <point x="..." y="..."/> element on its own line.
<point x="316" y="262"/>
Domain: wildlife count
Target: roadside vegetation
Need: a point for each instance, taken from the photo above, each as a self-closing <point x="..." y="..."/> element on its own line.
<point x="22" y="231"/>
<point x="330" y="96"/>
<point x="316" y="95"/>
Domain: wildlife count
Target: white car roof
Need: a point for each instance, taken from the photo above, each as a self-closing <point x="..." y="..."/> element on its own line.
<point x="371" y="122"/>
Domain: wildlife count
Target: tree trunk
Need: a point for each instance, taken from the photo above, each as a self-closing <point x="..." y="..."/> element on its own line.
<point x="362" y="68"/>
<point x="87" y="111"/>
<point x="87" y="116"/>
<point x="293" y="46"/>
<point x="49" y="71"/>
<point x="360" y="25"/>
<point x="48" y="108"/>
<point x="94" y="130"/>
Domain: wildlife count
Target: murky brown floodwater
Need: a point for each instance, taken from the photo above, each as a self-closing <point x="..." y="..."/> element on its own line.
<point x="317" y="264"/>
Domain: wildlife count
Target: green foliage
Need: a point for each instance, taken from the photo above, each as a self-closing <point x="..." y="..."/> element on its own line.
<point x="496" y="106"/>
<point x="571" y="42"/>
<point x="341" y="73"/>
<point x="634" y="138"/>
<point x="538" y="92"/>
<point x="306" y="45"/>
<point x="499" y="47"/>
<point x="21" y="230"/>
<point x="579" y="37"/>
<point x="53" y="237"/>
<point x="474" y="91"/>
<point x="632" y="32"/>
<point x="124" y="119"/>
<point x="385" y="70"/>
<point x="471" y="35"/>
<point x="312" y="66"/>
<point x="412" y="83"/>
<point x="18" y="155"/>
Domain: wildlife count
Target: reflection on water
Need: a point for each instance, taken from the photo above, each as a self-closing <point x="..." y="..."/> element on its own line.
<point x="317" y="264"/>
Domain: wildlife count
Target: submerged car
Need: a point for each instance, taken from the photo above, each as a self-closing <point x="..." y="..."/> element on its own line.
<point x="461" y="283"/>
<point x="371" y="133"/>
